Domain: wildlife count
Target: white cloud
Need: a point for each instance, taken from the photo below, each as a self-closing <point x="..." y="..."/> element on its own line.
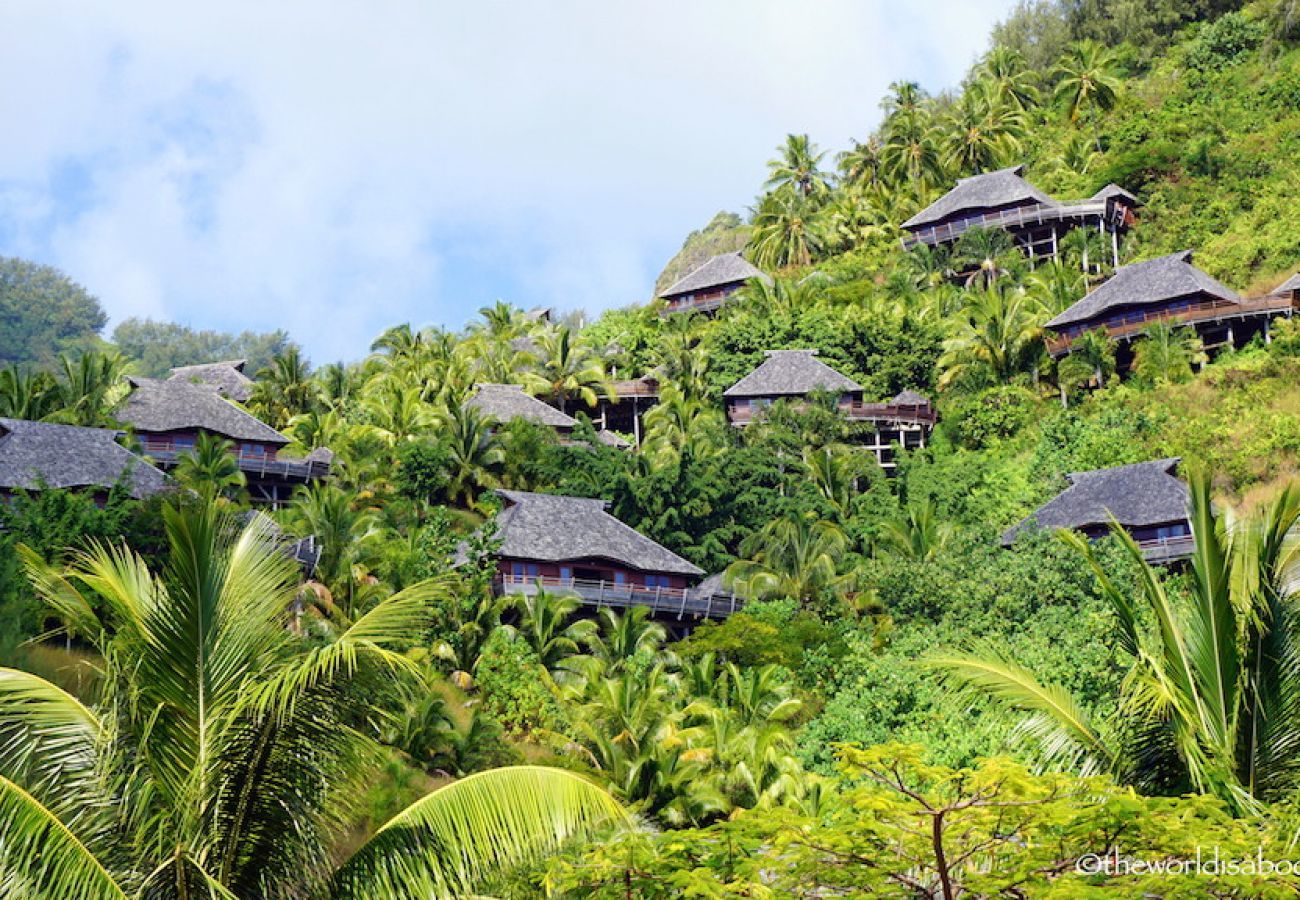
<point x="335" y="168"/>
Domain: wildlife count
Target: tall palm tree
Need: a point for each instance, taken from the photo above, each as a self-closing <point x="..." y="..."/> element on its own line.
<point x="344" y="533"/>
<point x="834" y="471"/>
<point x="474" y="450"/>
<point x="223" y="755"/>
<point x="624" y="635"/>
<point x="87" y="386"/>
<point x="210" y="469"/>
<point x="904" y="97"/>
<point x="1086" y="80"/>
<point x="985" y="255"/>
<point x="796" y="556"/>
<point x="679" y="424"/>
<point x="798" y="167"/>
<point x="1211" y="701"/>
<point x="567" y="370"/>
<point x="1011" y="79"/>
<point x="860" y="166"/>
<point x="1167" y="353"/>
<point x="284" y="388"/>
<point x="911" y="151"/>
<point x="1056" y="286"/>
<point x="788" y="229"/>
<point x="994" y="339"/>
<point x="26" y="394"/>
<point x="981" y="131"/>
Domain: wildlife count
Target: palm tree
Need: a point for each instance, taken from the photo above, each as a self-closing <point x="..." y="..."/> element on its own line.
<point x="916" y="533"/>
<point x="679" y="424"/>
<point x="87" y="386"/>
<point x="981" y="131"/>
<point x="904" y="97"/>
<point x="787" y="230"/>
<point x="798" y="167"/>
<point x="1056" y="286"/>
<point x="861" y="165"/>
<point x="223" y="755"/>
<point x="795" y="556"/>
<point x="1086" y="80"/>
<point x="1166" y="354"/>
<point x="911" y="151"/>
<point x="985" y="255"/>
<point x="344" y="533"/>
<point x="567" y="369"/>
<point x="547" y="625"/>
<point x="475" y="454"/>
<point x="283" y="389"/>
<point x="623" y="636"/>
<point x="26" y="395"/>
<point x="834" y="471"/>
<point x="210" y="469"/>
<point x="994" y="338"/>
<point x="1011" y="80"/>
<point x="1211" y="696"/>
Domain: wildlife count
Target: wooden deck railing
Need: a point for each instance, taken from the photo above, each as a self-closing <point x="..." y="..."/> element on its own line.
<point x="1008" y="218"/>
<point x="679" y="602"/>
<point x="1132" y="323"/>
<point x="904" y="414"/>
<point x="261" y="465"/>
<point x="1164" y="550"/>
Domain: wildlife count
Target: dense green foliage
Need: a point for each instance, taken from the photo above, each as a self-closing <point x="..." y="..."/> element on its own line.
<point x="893" y="663"/>
<point x="43" y="313"/>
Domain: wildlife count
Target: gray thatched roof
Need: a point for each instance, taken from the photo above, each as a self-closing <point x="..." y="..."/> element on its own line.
<point x="227" y="377"/>
<point x="1154" y="281"/>
<point x="1291" y="284"/>
<point x="1114" y="190"/>
<point x="162" y="406"/>
<point x="505" y="402"/>
<point x="550" y="528"/>
<point x="719" y="271"/>
<point x="68" y="456"/>
<point x="611" y="439"/>
<point x="1136" y="495"/>
<point x="910" y="398"/>
<point x="988" y="191"/>
<point x="790" y="373"/>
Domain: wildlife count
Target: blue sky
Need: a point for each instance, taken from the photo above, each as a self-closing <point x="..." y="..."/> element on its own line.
<point x="334" y="168"/>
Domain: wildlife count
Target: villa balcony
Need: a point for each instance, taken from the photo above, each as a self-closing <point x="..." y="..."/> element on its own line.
<point x="664" y="601"/>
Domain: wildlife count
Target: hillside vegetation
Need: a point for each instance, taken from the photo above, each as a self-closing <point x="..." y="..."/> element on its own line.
<point x="894" y="664"/>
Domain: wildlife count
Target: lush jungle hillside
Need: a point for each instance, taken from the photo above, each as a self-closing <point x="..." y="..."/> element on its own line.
<point x="893" y="663"/>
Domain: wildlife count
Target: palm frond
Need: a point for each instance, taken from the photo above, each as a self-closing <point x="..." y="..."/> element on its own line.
<point x="453" y="839"/>
<point x="45" y="854"/>
<point x="47" y="740"/>
<point x="1054" y="719"/>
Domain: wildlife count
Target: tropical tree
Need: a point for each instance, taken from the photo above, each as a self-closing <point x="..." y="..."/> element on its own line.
<point x="474" y="452"/>
<point x="797" y="168"/>
<point x="861" y="165"/>
<point x="345" y="535"/>
<point x="981" y="131"/>
<point x="623" y="636"/>
<point x="1167" y="353"/>
<point x="796" y="556"/>
<point x="87" y="386"/>
<point x="210" y="469"/>
<point x="547" y="624"/>
<point x="917" y="533"/>
<point x="995" y="338"/>
<point x="223" y="754"/>
<point x="985" y="255"/>
<point x="1086" y="80"/>
<point x="567" y="369"/>
<point x="787" y="230"/>
<point x="1210" y="699"/>
<point x="679" y="424"/>
<point x="26" y="394"/>
<point x="283" y="389"/>
<point x="1010" y="78"/>
<point x="911" y="151"/>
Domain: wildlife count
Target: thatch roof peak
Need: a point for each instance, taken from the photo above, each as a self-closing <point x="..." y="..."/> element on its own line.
<point x="718" y="271"/>
<point x="791" y="373"/>
<point x="33" y="454"/>
<point x="1153" y="281"/>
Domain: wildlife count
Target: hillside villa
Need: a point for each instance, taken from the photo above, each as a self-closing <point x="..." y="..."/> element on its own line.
<point x="1036" y="221"/>
<point x="707" y="287"/>
<point x="503" y="403"/>
<point x="1168" y="289"/>
<point x="795" y="375"/>
<point x="168" y="416"/>
<point x="1146" y="499"/>
<point x="572" y="545"/>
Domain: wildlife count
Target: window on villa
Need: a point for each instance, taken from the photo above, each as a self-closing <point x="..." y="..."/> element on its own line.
<point x="620" y="578"/>
<point x="566" y="573"/>
<point x="517" y="571"/>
